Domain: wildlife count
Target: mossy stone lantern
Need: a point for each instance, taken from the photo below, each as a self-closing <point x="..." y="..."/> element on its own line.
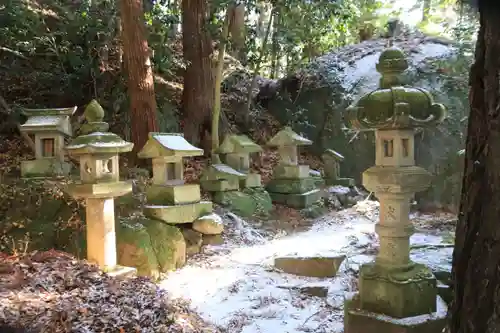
<point x="48" y="128"/>
<point x="97" y="151"/>
<point x="393" y="285"/>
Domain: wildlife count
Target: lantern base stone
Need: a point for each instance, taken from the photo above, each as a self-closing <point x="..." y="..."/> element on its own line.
<point x="178" y="214"/>
<point x="397" y="292"/>
<point x="347" y="182"/>
<point x="358" y="320"/>
<point x="394" y="179"/>
<point x="99" y="190"/>
<point x="298" y="201"/>
<point x="220" y="185"/>
<point x="285" y="171"/>
<point x="173" y="194"/>
<point x="291" y="186"/>
<point x="251" y="180"/>
<point x="46" y="167"/>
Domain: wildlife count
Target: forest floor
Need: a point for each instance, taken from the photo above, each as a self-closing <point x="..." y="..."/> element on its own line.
<point x="237" y="287"/>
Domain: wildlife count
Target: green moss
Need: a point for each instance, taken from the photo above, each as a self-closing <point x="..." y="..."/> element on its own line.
<point x="168" y="244"/>
<point x="135" y="248"/>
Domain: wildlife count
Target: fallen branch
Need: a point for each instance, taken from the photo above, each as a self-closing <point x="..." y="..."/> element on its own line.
<point x="16" y="53"/>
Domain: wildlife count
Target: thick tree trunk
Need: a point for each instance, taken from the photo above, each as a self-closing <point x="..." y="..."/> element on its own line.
<point x="140" y="81"/>
<point x="198" y="94"/>
<point x="476" y="259"/>
<point x="426" y="10"/>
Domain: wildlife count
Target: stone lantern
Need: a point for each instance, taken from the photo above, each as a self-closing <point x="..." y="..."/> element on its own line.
<point x="291" y="184"/>
<point x="393" y="288"/>
<point x="97" y="151"/>
<point x="48" y="129"/>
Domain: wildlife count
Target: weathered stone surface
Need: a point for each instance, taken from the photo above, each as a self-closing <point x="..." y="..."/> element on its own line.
<point x="44" y="168"/>
<point x="358" y="320"/>
<point x="209" y="224"/>
<point x="251" y="180"/>
<point x="134" y="249"/>
<point x="284" y="171"/>
<point x="348" y="182"/>
<point x="213" y="240"/>
<point x="296" y="186"/>
<point x="246" y="203"/>
<point x="150" y="246"/>
<point x="178" y="213"/>
<point x="310" y="266"/>
<point x="220" y="185"/>
<point x="396" y="179"/>
<point x="315" y="291"/>
<point x="298" y="201"/>
<point x="194" y="241"/>
<point x="173" y="194"/>
<point x="397" y="293"/>
<point x="168" y="244"/>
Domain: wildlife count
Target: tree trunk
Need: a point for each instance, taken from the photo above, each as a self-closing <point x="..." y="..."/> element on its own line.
<point x="198" y="94"/>
<point x="476" y="259"/>
<point x="140" y="81"/>
<point x="426" y="9"/>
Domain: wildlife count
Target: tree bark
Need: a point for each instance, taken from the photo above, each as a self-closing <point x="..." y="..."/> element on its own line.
<point x="426" y="10"/>
<point x="476" y="259"/>
<point x="198" y="94"/>
<point x="143" y="118"/>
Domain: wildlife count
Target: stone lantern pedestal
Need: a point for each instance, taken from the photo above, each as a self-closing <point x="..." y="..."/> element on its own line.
<point x="97" y="150"/>
<point x="395" y="293"/>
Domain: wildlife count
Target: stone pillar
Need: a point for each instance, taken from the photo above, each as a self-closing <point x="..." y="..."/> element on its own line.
<point x="393" y="285"/>
<point x="101" y="238"/>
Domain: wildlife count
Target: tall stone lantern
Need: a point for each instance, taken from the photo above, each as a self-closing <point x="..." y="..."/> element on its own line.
<point x="97" y="151"/>
<point x="393" y="287"/>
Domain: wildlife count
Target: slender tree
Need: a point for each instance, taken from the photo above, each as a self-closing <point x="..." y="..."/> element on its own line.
<point x="476" y="259"/>
<point x="140" y="81"/>
<point x="198" y="94"/>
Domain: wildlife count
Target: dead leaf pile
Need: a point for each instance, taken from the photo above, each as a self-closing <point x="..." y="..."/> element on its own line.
<point x="53" y="292"/>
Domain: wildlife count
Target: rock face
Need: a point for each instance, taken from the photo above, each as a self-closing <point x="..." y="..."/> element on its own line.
<point x="321" y="267"/>
<point x="151" y="246"/>
<point x="312" y="101"/>
<point x="247" y="202"/>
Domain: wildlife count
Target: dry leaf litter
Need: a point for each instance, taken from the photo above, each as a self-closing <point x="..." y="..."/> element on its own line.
<point x="53" y="292"/>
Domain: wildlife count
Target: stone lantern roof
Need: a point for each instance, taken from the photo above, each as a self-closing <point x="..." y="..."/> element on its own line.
<point x="287" y="137"/>
<point x="392" y="105"/>
<point x="96" y="140"/>
<point x="238" y="144"/>
<point x="168" y="145"/>
<point x="222" y="171"/>
<point x="48" y="120"/>
<point x="332" y="153"/>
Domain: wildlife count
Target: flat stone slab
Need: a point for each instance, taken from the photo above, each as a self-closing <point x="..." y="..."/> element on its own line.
<point x="122" y="272"/>
<point x="299" y="201"/>
<point x="178" y="213"/>
<point x="321" y="267"/>
<point x="357" y="320"/>
<point x="347" y="182"/>
<point x="45" y="167"/>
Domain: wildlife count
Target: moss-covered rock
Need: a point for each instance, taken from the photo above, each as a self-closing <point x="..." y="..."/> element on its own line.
<point x="246" y="203"/>
<point x="135" y="249"/>
<point x="209" y="224"/>
<point x="194" y="241"/>
<point x="168" y="243"/>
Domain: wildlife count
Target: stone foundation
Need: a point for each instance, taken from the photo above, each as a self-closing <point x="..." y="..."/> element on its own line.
<point x="347" y="182"/>
<point x="178" y="213"/>
<point x="357" y="320"/>
<point x="48" y="167"/>
<point x="298" y="201"/>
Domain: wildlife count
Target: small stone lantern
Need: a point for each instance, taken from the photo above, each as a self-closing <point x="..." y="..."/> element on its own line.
<point x="394" y="287"/>
<point x="332" y="160"/>
<point x="97" y="151"/>
<point x="236" y="150"/>
<point x="292" y="184"/>
<point x="48" y="128"/>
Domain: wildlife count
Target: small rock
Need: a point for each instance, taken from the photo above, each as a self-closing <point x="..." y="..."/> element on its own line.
<point x="315" y="291"/>
<point x="193" y="241"/>
<point x="212" y="240"/>
<point x="209" y="225"/>
<point x="320" y="267"/>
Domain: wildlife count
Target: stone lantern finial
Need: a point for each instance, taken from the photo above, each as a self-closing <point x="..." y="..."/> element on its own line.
<point x="94" y="114"/>
<point x="394" y="285"/>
